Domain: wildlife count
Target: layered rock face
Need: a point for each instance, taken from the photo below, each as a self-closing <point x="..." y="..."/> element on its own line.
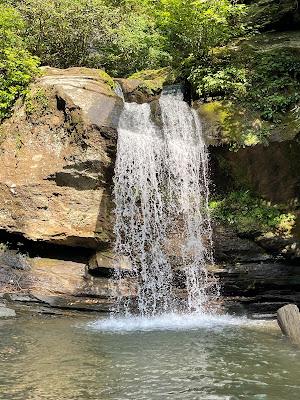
<point x="57" y="160"/>
<point x="56" y="176"/>
<point x="56" y="167"/>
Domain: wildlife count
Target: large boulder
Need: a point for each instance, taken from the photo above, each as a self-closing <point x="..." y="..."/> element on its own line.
<point x="57" y="159"/>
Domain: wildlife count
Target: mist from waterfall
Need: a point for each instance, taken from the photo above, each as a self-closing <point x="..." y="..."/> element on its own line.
<point x="162" y="221"/>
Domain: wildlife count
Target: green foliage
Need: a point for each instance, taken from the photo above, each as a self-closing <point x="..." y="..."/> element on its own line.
<point x="17" y="65"/>
<point x="129" y="35"/>
<point x="275" y="83"/>
<point x="258" y="82"/>
<point x="262" y="80"/>
<point x="61" y="32"/>
<point x="37" y="101"/>
<point x="137" y="44"/>
<point x="153" y="80"/>
<point x="192" y="27"/>
<point x="118" y="36"/>
<point x="250" y="214"/>
<point x="211" y="82"/>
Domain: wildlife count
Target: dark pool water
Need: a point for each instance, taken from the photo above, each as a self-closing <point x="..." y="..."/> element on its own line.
<point x="73" y="358"/>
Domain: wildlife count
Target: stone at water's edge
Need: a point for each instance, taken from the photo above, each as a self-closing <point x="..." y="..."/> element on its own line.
<point x="6" y="312"/>
<point x="288" y="318"/>
<point x="55" y="282"/>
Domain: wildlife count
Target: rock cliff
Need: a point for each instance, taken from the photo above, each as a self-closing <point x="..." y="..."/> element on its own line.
<point x="56" y="175"/>
<point x="57" y="160"/>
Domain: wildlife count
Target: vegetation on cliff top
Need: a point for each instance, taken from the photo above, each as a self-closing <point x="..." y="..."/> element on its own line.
<point x="121" y="37"/>
<point x="17" y="65"/>
<point x="208" y="43"/>
<point x="258" y="83"/>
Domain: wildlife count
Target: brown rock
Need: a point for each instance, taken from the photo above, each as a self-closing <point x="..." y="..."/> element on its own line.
<point x="108" y="260"/>
<point x="49" y="276"/>
<point x="135" y="91"/>
<point x="57" y="160"/>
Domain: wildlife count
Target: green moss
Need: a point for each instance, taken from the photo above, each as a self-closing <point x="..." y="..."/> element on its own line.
<point x="153" y="80"/>
<point x="248" y="213"/>
<point x="75" y="123"/>
<point x="98" y="74"/>
<point x="166" y="74"/>
<point x="234" y="124"/>
<point x="106" y="78"/>
<point x="215" y="112"/>
<point x="37" y="101"/>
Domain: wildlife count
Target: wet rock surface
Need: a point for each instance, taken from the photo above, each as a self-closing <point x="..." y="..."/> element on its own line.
<point x="56" y="168"/>
<point x="255" y="278"/>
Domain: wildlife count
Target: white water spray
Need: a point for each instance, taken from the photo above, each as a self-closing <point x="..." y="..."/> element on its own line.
<point x="161" y="198"/>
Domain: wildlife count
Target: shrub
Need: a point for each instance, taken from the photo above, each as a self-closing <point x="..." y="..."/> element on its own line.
<point x="250" y="214"/>
<point x="17" y="65"/>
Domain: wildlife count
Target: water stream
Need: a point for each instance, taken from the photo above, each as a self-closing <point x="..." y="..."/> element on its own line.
<point x="67" y="358"/>
<point x="172" y="348"/>
<point x="161" y="197"/>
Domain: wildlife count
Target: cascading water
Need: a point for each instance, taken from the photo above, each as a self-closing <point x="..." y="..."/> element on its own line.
<point x="161" y="206"/>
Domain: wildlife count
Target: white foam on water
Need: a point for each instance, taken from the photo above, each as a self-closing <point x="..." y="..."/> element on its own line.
<point x="168" y="322"/>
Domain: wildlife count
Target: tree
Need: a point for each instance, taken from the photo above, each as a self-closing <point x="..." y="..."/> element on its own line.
<point x="128" y="35"/>
<point x="193" y="27"/>
<point x="17" y="65"/>
<point x="118" y="36"/>
<point x="63" y="32"/>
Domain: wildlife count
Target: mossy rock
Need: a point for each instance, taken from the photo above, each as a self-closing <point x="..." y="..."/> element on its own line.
<point x="260" y="105"/>
<point x="153" y="80"/>
<point x="248" y="213"/>
<point x="228" y="123"/>
<point x="37" y="101"/>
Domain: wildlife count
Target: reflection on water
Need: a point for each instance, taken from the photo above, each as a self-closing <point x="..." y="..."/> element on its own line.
<point x="64" y="358"/>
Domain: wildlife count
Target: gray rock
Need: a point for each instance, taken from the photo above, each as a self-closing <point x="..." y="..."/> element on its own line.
<point x="14" y="259"/>
<point x="6" y="312"/>
<point x="288" y="318"/>
<point x="23" y="298"/>
<point x="229" y="247"/>
<point x="75" y="303"/>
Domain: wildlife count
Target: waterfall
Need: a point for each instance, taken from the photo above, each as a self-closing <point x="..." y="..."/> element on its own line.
<point x="161" y="206"/>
